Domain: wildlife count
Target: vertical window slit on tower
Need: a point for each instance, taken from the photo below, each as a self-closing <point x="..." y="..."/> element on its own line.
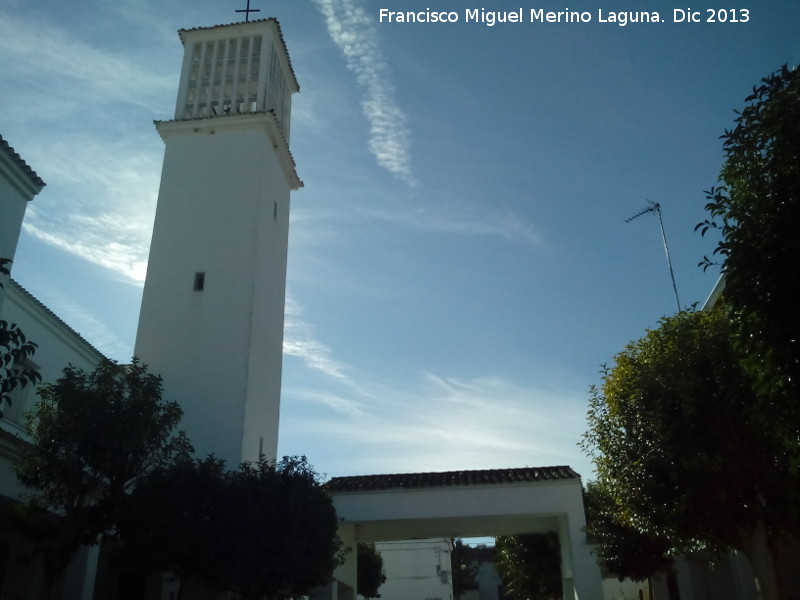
<point x="199" y="281"/>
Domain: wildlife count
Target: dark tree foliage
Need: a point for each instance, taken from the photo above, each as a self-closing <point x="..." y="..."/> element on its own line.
<point x="15" y="349"/>
<point x="93" y="437"/>
<point x="302" y="548"/>
<point x="682" y="445"/>
<point x="370" y="575"/>
<point x="621" y="550"/>
<point x="170" y="516"/>
<point x="464" y="568"/>
<point x="756" y="208"/>
<point x="530" y="565"/>
<point x="264" y="530"/>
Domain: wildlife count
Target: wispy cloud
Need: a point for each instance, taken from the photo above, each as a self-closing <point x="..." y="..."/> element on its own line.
<point x="433" y="423"/>
<point x="93" y="243"/>
<point x="299" y="339"/>
<point x="356" y="35"/>
<point x="340" y="404"/>
<point x="101" y="160"/>
<point x="461" y="220"/>
<point x="95" y="76"/>
<point x="426" y="421"/>
<point x="104" y="214"/>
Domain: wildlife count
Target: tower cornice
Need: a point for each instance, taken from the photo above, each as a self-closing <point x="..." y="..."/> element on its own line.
<point x="211" y="125"/>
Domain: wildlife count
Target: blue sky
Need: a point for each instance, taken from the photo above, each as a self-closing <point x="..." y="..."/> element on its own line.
<point x="459" y="262"/>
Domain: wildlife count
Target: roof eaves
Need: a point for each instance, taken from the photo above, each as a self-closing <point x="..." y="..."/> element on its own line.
<point x="35" y="179"/>
<point x="450" y="479"/>
<point x="58" y="319"/>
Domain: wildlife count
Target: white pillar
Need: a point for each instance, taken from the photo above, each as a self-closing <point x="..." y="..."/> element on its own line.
<point x="580" y="572"/>
<point x="80" y="576"/>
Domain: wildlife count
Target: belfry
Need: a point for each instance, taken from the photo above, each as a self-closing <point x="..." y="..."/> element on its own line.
<point x="211" y="321"/>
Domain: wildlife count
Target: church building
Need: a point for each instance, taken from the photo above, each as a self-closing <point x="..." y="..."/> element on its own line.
<point x="58" y="345"/>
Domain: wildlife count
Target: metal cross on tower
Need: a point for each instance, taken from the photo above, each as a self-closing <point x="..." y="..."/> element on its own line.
<point x="247" y="11"/>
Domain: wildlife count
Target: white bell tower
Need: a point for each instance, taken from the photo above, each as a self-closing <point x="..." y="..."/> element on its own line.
<point x="211" y="322"/>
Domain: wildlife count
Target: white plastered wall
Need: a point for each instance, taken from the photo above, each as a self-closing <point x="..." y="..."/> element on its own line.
<point x="223" y="211"/>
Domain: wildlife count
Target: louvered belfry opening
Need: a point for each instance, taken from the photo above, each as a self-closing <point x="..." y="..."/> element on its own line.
<point x="234" y="76"/>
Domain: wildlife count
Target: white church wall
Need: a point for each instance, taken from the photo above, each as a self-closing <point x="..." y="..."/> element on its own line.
<point x="58" y="347"/>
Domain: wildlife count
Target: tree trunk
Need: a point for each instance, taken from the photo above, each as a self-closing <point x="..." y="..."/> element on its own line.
<point x="759" y="552"/>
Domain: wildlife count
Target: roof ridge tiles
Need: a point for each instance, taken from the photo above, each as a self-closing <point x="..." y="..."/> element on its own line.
<point x="451" y="478"/>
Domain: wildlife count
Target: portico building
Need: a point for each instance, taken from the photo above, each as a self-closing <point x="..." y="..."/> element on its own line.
<point x="468" y="504"/>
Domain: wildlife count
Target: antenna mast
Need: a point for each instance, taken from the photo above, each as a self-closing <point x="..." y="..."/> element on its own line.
<point x="655" y="207"/>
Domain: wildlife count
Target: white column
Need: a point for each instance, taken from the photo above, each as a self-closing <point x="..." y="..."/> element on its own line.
<point x="580" y="571"/>
<point x="80" y="575"/>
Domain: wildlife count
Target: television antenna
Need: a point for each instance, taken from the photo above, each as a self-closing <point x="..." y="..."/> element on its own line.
<point x="655" y="207"/>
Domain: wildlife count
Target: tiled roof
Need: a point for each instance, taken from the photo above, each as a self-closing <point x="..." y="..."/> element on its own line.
<point x="22" y="164"/>
<point x="58" y="319"/>
<point x="269" y="20"/>
<point x="449" y="479"/>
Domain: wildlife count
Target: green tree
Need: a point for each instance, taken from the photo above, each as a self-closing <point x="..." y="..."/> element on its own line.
<point x="15" y="349"/>
<point x="93" y="437"/>
<point x="756" y="209"/>
<point x="620" y="549"/>
<point x="264" y="530"/>
<point x="682" y="444"/>
<point x="370" y="575"/>
<point x="530" y="565"/>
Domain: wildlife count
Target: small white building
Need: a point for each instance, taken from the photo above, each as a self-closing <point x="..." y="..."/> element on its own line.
<point x="416" y="569"/>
